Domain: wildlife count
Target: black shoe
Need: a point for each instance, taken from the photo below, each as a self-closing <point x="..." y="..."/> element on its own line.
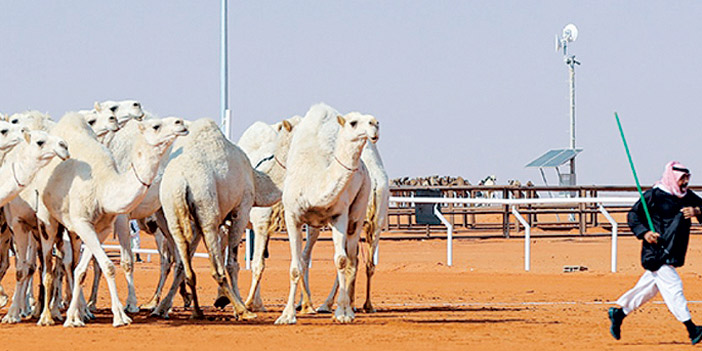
<point x="616" y="316"/>
<point x="697" y="336"/>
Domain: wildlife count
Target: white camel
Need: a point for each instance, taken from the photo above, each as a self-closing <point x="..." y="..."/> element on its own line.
<point x="26" y="160"/>
<point x="21" y="212"/>
<point x="376" y="218"/>
<point x="87" y="193"/>
<point x="209" y="180"/>
<point x="267" y="148"/>
<point x="326" y="151"/>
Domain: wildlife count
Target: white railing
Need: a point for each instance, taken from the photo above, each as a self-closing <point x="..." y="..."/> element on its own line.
<point x="514" y="203"/>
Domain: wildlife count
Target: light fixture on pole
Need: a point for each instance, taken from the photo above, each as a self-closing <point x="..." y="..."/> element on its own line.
<point x="569" y="34"/>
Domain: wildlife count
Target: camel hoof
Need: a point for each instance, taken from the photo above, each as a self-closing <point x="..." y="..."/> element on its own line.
<point x="151" y="304"/>
<point x="285" y="319"/>
<point x="73" y="321"/>
<point x="221" y="302"/>
<point x="197" y="315"/>
<point x="131" y="309"/>
<point x="11" y="319"/>
<point x="344" y="315"/>
<point x="45" y="321"/>
<point x="369" y="309"/>
<point x="159" y="314"/>
<point x="118" y="321"/>
<point x="246" y="316"/>
<point x="307" y="310"/>
<point x="254" y="307"/>
<point x="4" y="300"/>
<point x="324" y="309"/>
<point x="91" y="308"/>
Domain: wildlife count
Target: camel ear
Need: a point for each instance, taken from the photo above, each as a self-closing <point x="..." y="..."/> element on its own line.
<point x="97" y="107"/>
<point x="141" y="126"/>
<point x="287" y="125"/>
<point x="341" y="120"/>
<point x="27" y="136"/>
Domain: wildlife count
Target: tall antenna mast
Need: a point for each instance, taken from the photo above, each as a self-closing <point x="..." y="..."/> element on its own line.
<point x="569" y="34"/>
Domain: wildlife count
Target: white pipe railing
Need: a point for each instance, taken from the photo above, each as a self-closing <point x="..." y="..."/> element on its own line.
<point x="449" y="235"/>
<point x="515" y="212"/>
<point x="527" y="238"/>
<point x="614" y="237"/>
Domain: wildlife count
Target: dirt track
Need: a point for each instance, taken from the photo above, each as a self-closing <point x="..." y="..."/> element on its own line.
<point x="484" y="302"/>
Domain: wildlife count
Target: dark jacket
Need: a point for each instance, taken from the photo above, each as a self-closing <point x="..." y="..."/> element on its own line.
<point x="669" y="222"/>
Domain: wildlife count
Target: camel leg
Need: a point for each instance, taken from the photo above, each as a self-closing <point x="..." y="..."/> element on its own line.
<point x="47" y="278"/>
<point x="326" y="307"/>
<point x="306" y="306"/>
<point x="372" y="240"/>
<point x="173" y="251"/>
<point x="5" y="246"/>
<point x="95" y="287"/>
<point x="239" y="221"/>
<point x="23" y="272"/>
<point x="127" y="260"/>
<point x="165" y="262"/>
<point x="73" y="315"/>
<point x="91" y="240"/>
<point x="343" y="245"/>
<point x="296" y="270"/>
<point x="166" y="303"/>
<point x="30" y="308"/>
<point x="258" y="262"/>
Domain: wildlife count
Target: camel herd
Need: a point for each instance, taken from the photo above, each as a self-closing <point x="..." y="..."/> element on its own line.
<point x="69" y="184"/>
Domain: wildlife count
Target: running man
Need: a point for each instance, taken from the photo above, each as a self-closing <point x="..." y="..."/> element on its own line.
<point x="671" y="206"/>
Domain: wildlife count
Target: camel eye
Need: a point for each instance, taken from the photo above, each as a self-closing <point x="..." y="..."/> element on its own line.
<point x="3" y="132"/>
<point x="91" y="122"/>
<point x="40" y="143"/>
<point x="353" y="124"/>
<point x="114" y="108"/>
<point x="156" y="127"/>
<point x="15" y="121"/>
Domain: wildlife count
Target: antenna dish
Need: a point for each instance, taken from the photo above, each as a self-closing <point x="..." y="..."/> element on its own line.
<point x="570" y="33"/>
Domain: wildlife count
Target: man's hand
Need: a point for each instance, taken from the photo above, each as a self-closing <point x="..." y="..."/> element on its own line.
<point x="651" y="237"/>
<point x="690" y="212"/>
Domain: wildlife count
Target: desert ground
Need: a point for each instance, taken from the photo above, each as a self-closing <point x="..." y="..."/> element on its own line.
<point x="485" y="301"/>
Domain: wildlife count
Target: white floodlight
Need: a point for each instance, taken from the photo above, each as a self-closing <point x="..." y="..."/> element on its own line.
<point x="570" y="33"/>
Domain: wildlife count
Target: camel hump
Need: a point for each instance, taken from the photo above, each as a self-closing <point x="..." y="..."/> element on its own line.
<point x="267" y="193"/>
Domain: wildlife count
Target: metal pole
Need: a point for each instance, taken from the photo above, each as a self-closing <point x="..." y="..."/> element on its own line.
<point x="614" y="237"/>
<point x="527" y="238"/>
<point x="449" y="235"/>
<point x="224" y="86"/>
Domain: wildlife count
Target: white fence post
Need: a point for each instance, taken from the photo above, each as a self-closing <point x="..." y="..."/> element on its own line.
<point x="449" y="235"/>
<point x="614" y="237"/>
<point x="527" y="238"/>
<point x="247" y="243"/>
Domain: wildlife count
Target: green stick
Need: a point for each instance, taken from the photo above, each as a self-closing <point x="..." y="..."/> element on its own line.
<point x="633" y="170"/>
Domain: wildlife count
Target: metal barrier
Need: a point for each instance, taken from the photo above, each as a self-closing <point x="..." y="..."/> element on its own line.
<point x="514" y="203"/>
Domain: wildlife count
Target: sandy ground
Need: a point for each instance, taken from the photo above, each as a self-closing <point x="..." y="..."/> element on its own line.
<point x="485" y="301"/>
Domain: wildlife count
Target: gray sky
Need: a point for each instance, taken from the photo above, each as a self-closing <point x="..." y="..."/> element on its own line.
<point x="467" y="88"/>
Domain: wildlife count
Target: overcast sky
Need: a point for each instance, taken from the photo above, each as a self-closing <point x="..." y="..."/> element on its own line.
<point x="467" y="88"/>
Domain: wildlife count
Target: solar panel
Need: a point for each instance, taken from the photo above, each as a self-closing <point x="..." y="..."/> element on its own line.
<point x="554" y="158"/>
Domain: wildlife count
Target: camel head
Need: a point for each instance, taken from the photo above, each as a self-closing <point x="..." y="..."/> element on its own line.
<point x="124" y="110"/>
<point x="34" y="120"/>
<point x="43" y="146"/>
<point x="162" y="131"/>
<point x="102" y="121"/>
<point x="10" y="135"/>
<point x="356" y="126"/>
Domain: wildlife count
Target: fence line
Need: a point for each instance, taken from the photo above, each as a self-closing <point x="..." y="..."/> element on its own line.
<point x="514" y="203"/>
